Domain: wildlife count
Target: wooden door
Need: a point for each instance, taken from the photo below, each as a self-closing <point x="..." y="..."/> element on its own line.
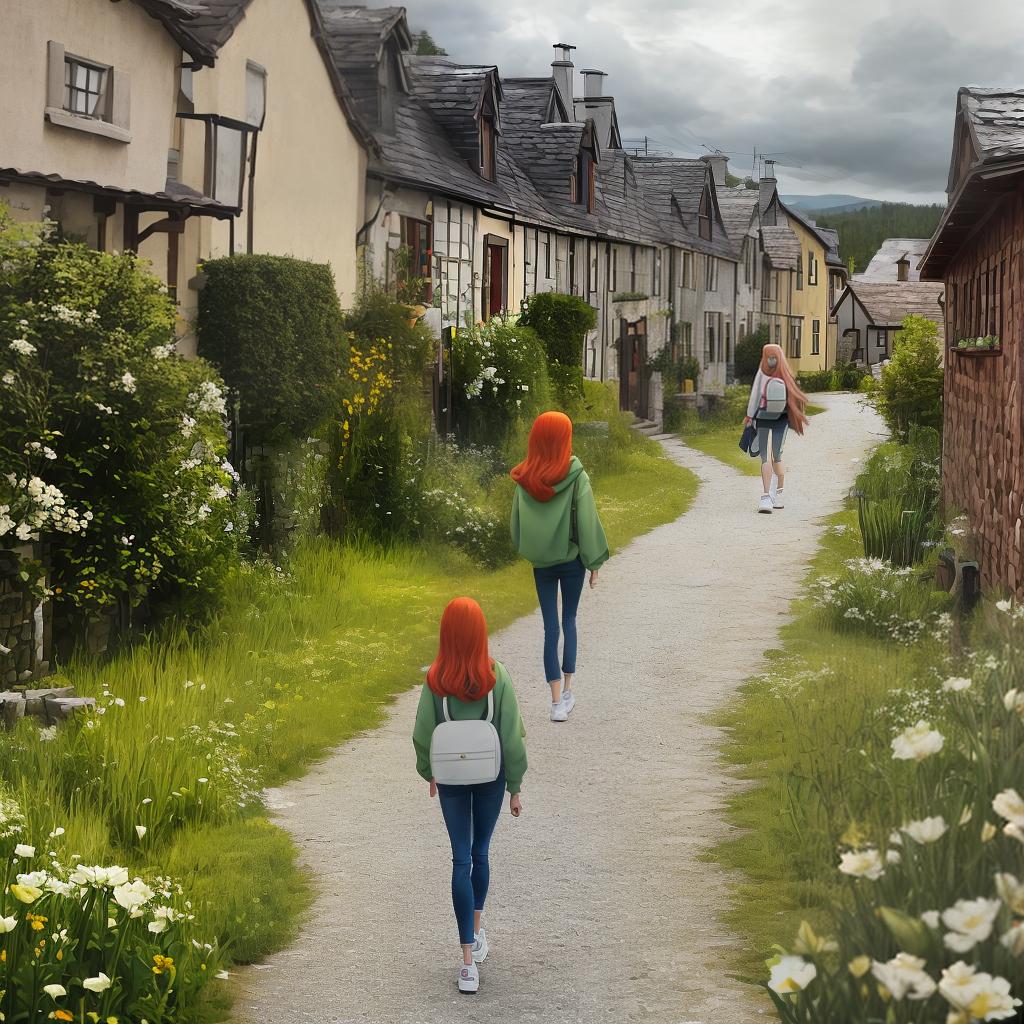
<point x="633" y="377"/>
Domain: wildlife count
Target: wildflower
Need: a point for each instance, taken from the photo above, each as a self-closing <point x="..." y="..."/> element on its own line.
<point x="916" y="743"/>
<point x="978" y="995"/>
<point x="21" y="850"/>
<point x="1013" y="939"/>
<point x="7" y="924"/>
<point x="133" y="894"/>
<point x="162" y="963"/>
<point x="55" y="991"/>
<point x="970" y="922"/>
<point x="23" y="347"/>
<point x="791" y="974"/>
<point x="904" y="975"/>
<point x="26" y="893"/>
<point x="893" y="857"/>
<point x="98" y="984"/>
<point x="859" y="966"/>
<point x="1011" y="891"/>
<point x="866" y="863"/>
<point x="931" y="918"/>
<point x="956" y="684"/>
<point x="988" y="832"/>
<point x="809" y="943"/>
<point x="928" y="830"/>
<point x="1013" y="700"/>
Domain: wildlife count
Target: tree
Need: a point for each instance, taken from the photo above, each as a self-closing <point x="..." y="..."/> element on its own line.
<point x="910" y="391"/>
<point x="861" y="232"/>
<point x="426" y="47"/>
<point x="748" y="354"/>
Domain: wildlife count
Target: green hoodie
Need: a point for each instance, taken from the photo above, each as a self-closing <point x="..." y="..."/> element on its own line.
<point x="541" y="529"/>
<point x="507" y="721"/>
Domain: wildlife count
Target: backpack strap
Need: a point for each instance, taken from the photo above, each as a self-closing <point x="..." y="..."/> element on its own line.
<point x="574" y="515"/>
<point x="444" y="709"/>
<point x="442" y="705"/>
<point x="489" y="717"/>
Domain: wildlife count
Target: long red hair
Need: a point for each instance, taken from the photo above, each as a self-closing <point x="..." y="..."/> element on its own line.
<point x="463" y="667"/>
<point x="548" y="452"/>
<point x="796" y="400"/>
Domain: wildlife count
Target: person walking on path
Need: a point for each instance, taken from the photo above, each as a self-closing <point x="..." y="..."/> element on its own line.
<point x="776" y="403"/>
<point x="466" y="685"/>
<point x="555" y="527"/>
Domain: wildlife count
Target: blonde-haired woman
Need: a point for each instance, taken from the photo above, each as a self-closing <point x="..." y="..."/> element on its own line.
<point x="776" y="404"/>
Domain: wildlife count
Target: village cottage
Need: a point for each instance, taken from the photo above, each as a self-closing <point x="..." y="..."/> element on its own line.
<point x="978" y="252"/>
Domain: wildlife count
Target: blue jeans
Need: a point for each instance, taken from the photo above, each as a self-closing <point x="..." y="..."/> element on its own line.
<point x="470" y="814"/>
<point x="570" y="576"/>
<point x="777" y="429"/>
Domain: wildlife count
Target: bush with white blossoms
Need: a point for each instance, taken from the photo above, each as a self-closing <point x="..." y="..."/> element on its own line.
<point x="112" y="449"/>
<point x="876" y="597"/>
<point x="931" y="927"/>
<point x="92" y="943"/>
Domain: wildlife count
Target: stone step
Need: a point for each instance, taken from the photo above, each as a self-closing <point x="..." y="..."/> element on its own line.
<point x="59" y="709"/>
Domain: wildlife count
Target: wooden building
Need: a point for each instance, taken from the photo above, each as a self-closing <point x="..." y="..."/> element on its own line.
<point x="978" y="251"/>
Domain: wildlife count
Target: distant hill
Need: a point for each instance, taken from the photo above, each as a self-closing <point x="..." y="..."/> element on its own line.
<point x="819" y="204"/>
<point x="861" y="232"/>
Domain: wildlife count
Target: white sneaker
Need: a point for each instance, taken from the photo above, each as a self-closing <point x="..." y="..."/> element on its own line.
<point x="558" y="712"/>
<point x="568" y="701"/>
<point x="480" y="947"/>
<point x="766" y="504"/>
<point x="777" y="500"/>
<point x="469" y="979"/>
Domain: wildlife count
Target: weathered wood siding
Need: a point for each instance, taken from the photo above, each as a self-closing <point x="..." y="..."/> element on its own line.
<point x="983" y="449"/>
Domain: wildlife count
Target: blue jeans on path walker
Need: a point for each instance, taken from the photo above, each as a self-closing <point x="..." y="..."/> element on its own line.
<point x="570" y="576"/>
<point x="470" y="814"/>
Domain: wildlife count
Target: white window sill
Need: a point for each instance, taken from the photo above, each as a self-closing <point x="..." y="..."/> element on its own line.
<point x="91" y="125"/>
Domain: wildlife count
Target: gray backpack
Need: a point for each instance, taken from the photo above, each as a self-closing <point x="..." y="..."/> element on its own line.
<point x="465" y="753"/>
<point x="774" y="398"/>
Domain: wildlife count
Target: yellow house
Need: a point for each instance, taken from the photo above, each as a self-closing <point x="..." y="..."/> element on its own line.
<point x="809" y="309"/>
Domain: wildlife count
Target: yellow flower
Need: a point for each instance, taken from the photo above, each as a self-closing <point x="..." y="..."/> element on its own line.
<point x="162" y="963"/>
<point x="859" y="966"/>
<point x="26" y="893"/>
<point x="62" y="1015"/>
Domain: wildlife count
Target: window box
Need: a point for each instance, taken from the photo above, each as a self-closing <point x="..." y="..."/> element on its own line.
<point x="974" y="347"/>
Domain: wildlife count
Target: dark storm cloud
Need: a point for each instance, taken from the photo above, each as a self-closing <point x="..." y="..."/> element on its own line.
<point x="852" y="97"/>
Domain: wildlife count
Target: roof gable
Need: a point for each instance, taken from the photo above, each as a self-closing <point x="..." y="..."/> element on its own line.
<point x="181" y="18"/>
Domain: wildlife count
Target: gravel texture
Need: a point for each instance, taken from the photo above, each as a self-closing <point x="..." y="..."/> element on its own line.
<point x="601" y="908"/>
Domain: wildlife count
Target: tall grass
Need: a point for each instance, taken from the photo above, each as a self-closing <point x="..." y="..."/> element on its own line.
<point x="191" y="724"/>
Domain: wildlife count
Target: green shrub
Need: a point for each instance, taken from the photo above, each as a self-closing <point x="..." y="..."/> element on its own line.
<point x="811" y="381"/>
<point x="112" y="447"/>
<point x="272" y="325"/>
<point x="747" y="357"/>
<point x="562" y="323"/>
<point x="499" y="375"/>
<point x="566" y="385"/>
<point x="848" y="376"/>
<point x="910" y="389"/>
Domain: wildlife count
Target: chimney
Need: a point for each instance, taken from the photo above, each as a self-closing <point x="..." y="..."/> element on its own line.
<point x="593" y="83"/>
<point x="562" y="70"/>
<point x="903" y="268"/>
<point x="719" y="166"/>
<point x="768" y="185"/>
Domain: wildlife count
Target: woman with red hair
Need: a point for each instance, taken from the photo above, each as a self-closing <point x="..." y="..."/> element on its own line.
<point x="776" y="404"/>
<point x="555" y="526"/>
<point x="465" y="684"/>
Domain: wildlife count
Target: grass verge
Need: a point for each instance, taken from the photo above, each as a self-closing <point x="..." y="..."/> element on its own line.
<point x="298" y="660"/>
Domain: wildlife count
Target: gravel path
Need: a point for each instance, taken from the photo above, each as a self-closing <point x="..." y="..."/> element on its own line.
<point x="600" y="907"/>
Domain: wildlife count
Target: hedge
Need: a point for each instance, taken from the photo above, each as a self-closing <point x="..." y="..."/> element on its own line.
<point x="273" y="327"/>
<point x="562" y="323"/>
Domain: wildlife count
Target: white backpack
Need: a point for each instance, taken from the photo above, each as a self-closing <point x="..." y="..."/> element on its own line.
<point x="774" y="400"/>
<point x="465" y="753"/>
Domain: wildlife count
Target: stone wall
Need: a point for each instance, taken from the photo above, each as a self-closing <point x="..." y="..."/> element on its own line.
<point x="983" y="442"/>
<point x="24" y="627"/>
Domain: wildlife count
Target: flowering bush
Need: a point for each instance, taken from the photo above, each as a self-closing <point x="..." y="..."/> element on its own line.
<point x="500" y="375"/>
<point x="112" y="448"/>
<point x="932" y="926"/>
<point x="876" y="597"/>
<point x="91" y="943"/>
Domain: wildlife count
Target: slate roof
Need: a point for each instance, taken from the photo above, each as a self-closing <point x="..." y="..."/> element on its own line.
<point x="996" y="120"/>
<point x="828" y="237"/>
<point x="883" y="264"/>
<point x="218" y="21"/>
<point x="181" y="18"/>
<point x="781" y="246"/>
<point x="739" y="207"/>
<point x="887" y="303"/>
<point x="357" y="34"/>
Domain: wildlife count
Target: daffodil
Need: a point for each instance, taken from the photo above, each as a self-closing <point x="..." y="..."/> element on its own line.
<point x="928" y="830"/>
<point x="917" y="743"/>
<point x="26" y="893"/>
<point x="969" y="922"/>
<point x="866" y="863"/>
<point x="904" y="976"/>
<point x="791" y="974"/>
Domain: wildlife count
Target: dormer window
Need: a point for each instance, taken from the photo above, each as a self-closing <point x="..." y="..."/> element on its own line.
<point x="704" y="216"/>
<point x="584" y="180"/>
<point x="488" y="140"/>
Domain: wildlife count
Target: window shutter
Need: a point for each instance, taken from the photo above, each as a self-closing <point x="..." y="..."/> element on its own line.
<point x="55" y="75"/>
<point x="119" y="85"/>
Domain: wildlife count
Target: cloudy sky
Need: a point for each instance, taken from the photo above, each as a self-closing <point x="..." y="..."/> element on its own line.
<point x="855" y="96"/>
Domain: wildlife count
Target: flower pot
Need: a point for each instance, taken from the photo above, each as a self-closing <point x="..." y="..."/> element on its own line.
<point x="687" y="386"/>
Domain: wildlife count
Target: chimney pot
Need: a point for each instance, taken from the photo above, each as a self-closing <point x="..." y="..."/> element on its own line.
<point x="562" y="72"/>
<point x="719" y="164"/>
<point x="903" y="269"/>
<point x="593" y="82"/>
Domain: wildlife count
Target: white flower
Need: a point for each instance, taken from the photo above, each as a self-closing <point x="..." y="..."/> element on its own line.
<point x="904" y="975"/>
<point x="23" y="347"/>
<point x="1011" y="891"/>
<point x="47" y="733"/>
<point x="9" y="378"/>
<point x="980" y="996"/>
<point x="99" y="876"/>
<point x="21" y="850"/>
<point x="928" y="830"/>
<point x="128" y="382"/>
<point x="1013" y="940"/>
<point x="98" y="984"/>
<point x="23" y="532"/>
<point x="960" y="983"/>
<point x="791" y="974"/>
<point x="140" y="830"/>
<point x="7" y="924"/>
<point x="1008" y="804"/>
<point x="956" y="684"/>
<point x="931" y="918"/>
<point x="970" y="922"/>
<point x="1004" y="606"/>
<point x="916" y="743"/>
<point x="866" y="863"/>
<point x="55" y="991"/>
<point x="133" y="894"/>
<point x="1013" y="700"/>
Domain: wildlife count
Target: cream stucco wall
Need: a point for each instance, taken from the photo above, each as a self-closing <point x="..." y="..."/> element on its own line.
<point x="310" y="167"/>
<point x="120" y="35"/>
<point x="810" y="302"/>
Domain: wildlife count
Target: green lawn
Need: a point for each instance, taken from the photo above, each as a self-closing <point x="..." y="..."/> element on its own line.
<point x="806" y="738"/>
<point x="297" y="661"/>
